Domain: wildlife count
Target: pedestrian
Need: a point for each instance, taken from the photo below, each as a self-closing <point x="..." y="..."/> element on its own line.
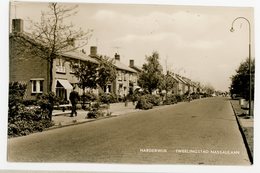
<point x="74" y="98"/>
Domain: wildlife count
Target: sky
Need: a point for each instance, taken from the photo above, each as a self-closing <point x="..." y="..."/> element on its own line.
<point x="193" y="41"/>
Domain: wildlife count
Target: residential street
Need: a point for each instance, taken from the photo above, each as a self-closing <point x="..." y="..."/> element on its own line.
<point x="203" y="131"/>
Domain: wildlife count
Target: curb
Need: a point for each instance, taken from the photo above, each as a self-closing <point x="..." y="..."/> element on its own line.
<point x="78" y="122"/>
<point x="243" y="136"/>
<point x="115" y="115"/>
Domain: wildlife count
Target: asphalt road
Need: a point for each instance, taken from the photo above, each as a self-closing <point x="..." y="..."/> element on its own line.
<point x="200" y="132"/>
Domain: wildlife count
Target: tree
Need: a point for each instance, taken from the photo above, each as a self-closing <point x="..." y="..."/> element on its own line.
<point x="87" y="74"/>
<point x="53" y="36"/>
<point x="91" y="75"/>
<point x="151" y="76"/>
<point x="106" y="71"/>
<point x="240" y="81"/>
<point x="209" y="89"/>
<point x="168" y="83"/>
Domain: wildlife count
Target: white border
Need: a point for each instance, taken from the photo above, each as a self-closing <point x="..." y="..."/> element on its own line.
<point x="4" y="5"/>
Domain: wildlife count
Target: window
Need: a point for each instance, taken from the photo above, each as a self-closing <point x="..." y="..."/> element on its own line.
<point x="125" y="76"/>
<point x="119" y="75"/>
<point x="37" y="85"/>
<point x="60" y="66"/>
<point x="130" y="77"/>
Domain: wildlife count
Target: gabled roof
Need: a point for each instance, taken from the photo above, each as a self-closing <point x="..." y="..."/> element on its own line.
<point x="122" y="66"/>
<point x="136" y="68"/>
<point x="80" y="56"/>
<point x="180" y="79"/>
<point x="71" y="54"/>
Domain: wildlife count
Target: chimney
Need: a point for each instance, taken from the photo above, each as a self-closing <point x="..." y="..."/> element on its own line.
<point x="131" y="64"/>
<point x="17" y="25"/>
<point x="117" y="57"/>
<point x="93" y="51"/>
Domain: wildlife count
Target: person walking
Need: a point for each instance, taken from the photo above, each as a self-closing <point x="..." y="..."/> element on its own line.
<point x="74" y="98"/>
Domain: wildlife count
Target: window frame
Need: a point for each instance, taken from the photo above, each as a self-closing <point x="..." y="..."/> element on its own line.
<point x="37" y="85"/>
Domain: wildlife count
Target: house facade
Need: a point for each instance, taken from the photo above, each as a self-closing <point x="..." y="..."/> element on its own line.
<point x="27" y="66"/>
<point x="126" y="80"/>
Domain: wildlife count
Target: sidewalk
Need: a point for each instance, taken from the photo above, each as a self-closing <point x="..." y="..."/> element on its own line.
<point x="246" y="124"/>
<point x="62" y="119"/>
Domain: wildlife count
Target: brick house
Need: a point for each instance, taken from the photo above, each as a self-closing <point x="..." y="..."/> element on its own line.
<point x="126" y="80"/>
<point x="27" y="67"/>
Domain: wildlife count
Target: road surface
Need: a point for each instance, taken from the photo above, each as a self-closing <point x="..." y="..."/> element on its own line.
<point x="203" y="131"/>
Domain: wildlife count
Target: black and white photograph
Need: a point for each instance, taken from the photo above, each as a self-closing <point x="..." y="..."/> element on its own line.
<point x="130" y="83"/>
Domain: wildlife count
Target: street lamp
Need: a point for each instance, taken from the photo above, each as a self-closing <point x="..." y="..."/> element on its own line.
<point x="249" y="46"/>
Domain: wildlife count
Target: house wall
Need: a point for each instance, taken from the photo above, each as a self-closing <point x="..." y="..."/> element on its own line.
<point x="121" y="86"/>
<point x="25" y="66"/>
<point x="67" y="74"/>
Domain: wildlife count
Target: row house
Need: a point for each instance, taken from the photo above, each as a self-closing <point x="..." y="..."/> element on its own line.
<point x="184" y="85"/>
<point x="28" y="67"/>
<point x="126" y="80"/>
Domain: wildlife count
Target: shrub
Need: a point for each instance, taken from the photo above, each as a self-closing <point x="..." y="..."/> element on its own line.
<point x="95" y="114"/>
<point x="27" y="121"/>
<point x="171" y="99"/>
<point x="107" y="98"/>
<point x="153" y="99"/>
<point x="195" y="96"/>
<point x="167" y="102"/>
<point x="46" y="102"/>
<point x="95" y="111"/>
<point x="22" y="119"/>
<point x="179" y="98"/>
<point x="143" y="104"/>
<point x="87" y="97"/>
<point x="29" y="102"/>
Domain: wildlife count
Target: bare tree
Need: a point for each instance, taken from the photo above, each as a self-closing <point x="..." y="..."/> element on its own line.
<point x="53" y="35"/>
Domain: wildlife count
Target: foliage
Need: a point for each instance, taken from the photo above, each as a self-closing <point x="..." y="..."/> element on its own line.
<point x="106" y="71"/>
<point x="29" y="102"/>
<point x="107" y="98"/>
<point x="171" y="99"/>
<point x="92" y="75"/>
<point x="147" y="101"/>
<point x="89" y="96"/>
<point x="151" y="76"/>
<point x="179" y="98"/>
<point x="16" y="92"/>
<point x="240" y="81"/>
<point x="143" y="104"/>
<point x="195" y="96"/>
<point x="153" y="99"/>
<point x="95" y="111"/>
<point x="209" y="89"/>
<point x="46" y="102"/>
<point x="27" y="121"/>
<point x="23" y="120"/>
<point x="168" y="82"/>
<point x="87" y="74"/>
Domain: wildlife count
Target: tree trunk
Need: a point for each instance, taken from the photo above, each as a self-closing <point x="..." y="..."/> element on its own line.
<point x="50" y="87"/>
<point x="84" y="99"/>
<point x="51" y="74"/>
